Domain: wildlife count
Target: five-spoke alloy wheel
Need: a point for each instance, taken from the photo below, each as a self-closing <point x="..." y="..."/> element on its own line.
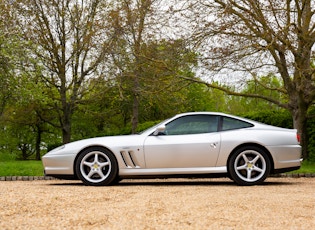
<point x="249" y="165"/>
<point x="96" y="166"/>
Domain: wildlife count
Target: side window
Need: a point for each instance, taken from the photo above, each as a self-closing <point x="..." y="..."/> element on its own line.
<point x="193" y="124"/>
<point x="231" y="123"/>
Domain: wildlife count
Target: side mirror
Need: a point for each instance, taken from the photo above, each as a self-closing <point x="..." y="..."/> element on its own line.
<point x="159" y="130"/>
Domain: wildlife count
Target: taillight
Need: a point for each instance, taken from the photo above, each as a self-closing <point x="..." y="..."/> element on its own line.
<point x="298" y="137"/>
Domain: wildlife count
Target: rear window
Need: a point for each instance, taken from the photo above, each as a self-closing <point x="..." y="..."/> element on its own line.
<point x="229" y="123"/>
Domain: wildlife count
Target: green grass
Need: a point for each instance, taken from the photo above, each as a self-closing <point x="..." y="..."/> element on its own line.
<point x="307" y="167"/>
<point x="21" y="168"/>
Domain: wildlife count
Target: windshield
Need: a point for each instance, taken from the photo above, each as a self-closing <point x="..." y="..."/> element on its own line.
<point x="152" y="128"/>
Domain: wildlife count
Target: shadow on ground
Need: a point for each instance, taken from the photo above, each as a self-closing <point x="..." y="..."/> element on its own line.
<point x="173" y="182"/>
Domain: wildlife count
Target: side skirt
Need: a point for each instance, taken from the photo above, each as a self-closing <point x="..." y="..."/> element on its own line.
<point x="123" y="172"/>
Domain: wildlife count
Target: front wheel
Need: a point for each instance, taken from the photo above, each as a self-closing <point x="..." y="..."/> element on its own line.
<point x="249" y="165"/>
<point x="96" y="166"/>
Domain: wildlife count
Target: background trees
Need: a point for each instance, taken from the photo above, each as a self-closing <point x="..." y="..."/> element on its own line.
<point x="69" y="41"/>
<point x="9" y="47"/>
<point x="134" y="23"/>
<point x="249" y="39"/>
<point x="72" y="69"/>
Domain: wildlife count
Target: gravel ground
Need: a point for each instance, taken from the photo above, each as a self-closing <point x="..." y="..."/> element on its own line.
<point x="280" y="203"/>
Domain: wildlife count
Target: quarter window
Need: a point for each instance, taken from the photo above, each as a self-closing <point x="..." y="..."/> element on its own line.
<point x="229" y="123"/>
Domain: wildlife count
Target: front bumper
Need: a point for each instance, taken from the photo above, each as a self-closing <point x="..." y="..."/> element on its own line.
<point x="58" y="164"/>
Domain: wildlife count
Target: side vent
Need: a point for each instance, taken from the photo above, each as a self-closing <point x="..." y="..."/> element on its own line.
<point x="129" y="159"/>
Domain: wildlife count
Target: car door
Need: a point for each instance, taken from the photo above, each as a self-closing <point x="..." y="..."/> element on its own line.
<point x="187" y="142"/>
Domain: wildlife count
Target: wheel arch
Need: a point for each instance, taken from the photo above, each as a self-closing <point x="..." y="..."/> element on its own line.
<point x="254" y="145"/>
<point x="88" y="147"/>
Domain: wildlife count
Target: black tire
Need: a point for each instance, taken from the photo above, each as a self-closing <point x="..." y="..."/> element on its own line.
<point x="96" y="166"/>
<point x="249" y="165"/>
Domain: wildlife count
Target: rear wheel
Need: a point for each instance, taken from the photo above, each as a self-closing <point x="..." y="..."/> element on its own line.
<point x="96" y="166"/>
<point x="249" y="165"/>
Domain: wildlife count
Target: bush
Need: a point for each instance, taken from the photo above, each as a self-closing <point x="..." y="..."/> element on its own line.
<point x="278" y="118"/>
<point x="7" y="156"/>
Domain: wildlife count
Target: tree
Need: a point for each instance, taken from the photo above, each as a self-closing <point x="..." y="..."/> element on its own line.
<point x="146" y="63"/>
<point x="162" y="92"/>
<point x="132" y="21"/>
<point x="107" y="110"/>
<point x="17" y="88"/>
<point x="243" y="104"/>
<point x="250" y="38"/>
<point x="10" y="54"/>
<point x="70" y="41"/>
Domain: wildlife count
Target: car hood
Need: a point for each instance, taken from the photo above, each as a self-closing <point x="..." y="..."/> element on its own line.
<point x="110" y="142"/>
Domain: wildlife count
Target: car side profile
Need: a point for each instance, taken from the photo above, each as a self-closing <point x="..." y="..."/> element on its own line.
<point x="197" y="144"/>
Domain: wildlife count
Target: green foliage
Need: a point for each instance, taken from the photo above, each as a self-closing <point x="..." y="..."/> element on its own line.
<point x="280" y="118"/>
<point x="6" y="156"/>
<point x="146" y="125"/>
<point x="267" y="86"/>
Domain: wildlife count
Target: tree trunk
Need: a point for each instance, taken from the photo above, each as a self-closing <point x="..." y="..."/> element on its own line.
<point x="66" y="134"/>
<point x="66" y="113"/>
<point x="299" y="115"/>
<point x="38" y="141"/>
<point x="66" y="128"/>
<point x="135" y="106"/>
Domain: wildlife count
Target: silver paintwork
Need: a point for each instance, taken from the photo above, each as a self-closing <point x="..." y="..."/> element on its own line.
<point x="148" y="154"/>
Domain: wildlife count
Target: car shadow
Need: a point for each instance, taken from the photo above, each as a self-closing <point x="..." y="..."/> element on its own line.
<point x="173" y="182"/>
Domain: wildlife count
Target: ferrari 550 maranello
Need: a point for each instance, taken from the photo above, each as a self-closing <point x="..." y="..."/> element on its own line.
<point x="199" y="144"/>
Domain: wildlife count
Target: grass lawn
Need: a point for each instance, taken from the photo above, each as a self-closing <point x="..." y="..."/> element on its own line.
<point x="307" y="167"/>
<point x="21" y="168"/>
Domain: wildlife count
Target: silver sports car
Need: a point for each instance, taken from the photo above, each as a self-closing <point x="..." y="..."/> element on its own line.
<point x="199" y="144"/>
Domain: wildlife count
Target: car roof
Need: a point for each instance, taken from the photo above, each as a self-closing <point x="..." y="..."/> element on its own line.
<point x="214" y="113"/>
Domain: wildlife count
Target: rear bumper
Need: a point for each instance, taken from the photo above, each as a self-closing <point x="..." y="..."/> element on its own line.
<point x="286" y="157"/>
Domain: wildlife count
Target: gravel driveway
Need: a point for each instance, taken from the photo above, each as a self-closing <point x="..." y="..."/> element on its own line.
<point x="280" y="203"/>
